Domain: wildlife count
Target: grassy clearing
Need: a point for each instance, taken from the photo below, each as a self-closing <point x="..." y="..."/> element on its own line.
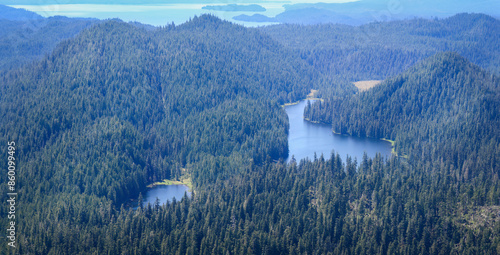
<point x="393" y="143"/>
<point x="312" y="94"/>
<point x="393" y="150"/>
<point x="289" y="104"/>
<point x="366" y="85"/>
<point x="184" y="180"/>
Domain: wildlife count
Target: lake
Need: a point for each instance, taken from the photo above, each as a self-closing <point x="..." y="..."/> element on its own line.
<point x="165" y="193"/>
<point x="305" y="138"/>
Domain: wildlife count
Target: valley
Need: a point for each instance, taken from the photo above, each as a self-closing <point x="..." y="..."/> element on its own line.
<point x="105" y="108"/>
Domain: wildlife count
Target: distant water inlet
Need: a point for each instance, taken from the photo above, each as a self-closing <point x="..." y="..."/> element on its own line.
<point x="306" y="138"/>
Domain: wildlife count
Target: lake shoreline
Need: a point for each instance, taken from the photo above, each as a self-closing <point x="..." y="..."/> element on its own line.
<point x="393" y="143"/>
<point x="307" y="137"/>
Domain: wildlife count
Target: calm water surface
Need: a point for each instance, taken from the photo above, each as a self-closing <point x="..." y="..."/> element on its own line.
<point x="306" y="138"/>
<point x="165" y="193"/>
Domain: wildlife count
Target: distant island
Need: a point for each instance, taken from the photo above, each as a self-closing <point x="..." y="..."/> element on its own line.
<point x="255" y="18"/>
<point x="365" y="11"/>
<point x="235" y="8"/>
<point x="302" y="16"/>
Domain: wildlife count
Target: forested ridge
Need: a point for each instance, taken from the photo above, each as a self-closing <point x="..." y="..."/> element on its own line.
<point x="162" y="97"/>
<point x="382" y="49"/>
<point x="24" y="41"/>
<point x="443" y="108"/>
<point x="443" y="115"/>
<point x="121" y="106"/>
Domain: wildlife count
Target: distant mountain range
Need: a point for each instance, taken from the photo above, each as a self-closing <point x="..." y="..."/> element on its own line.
<point x="381" y="50"/>
<point x="365" y="11"/>
<point x="309" y="15"/>
<point x="10" y="13"/>
<point x="351" y="13"/>
<point x="26" y="36"/>
<point x="338" y="49"/>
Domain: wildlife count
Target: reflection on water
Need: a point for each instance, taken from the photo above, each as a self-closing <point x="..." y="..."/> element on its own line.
<point x="306" y="138"/>
<point x="165" y="193"/>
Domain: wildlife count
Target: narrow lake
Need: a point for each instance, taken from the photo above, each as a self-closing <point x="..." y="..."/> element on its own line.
<point x="165" y="193"/>
<point x="306" y="138"/>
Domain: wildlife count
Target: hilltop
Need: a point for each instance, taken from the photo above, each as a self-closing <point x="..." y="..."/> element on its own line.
<point x="26" y="36"/>
<point x="380" y="50"/>
<point x="442" y="102"/>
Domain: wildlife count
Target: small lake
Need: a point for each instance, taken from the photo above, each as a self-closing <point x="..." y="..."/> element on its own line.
<point x="165" y="193"/>
<point x="305" y="138"/>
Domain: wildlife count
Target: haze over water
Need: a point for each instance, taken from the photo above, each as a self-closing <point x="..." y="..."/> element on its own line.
<point x="177" y="12"/>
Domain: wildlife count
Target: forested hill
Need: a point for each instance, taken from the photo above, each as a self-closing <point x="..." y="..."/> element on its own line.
<point x="120" y="107"/>
<point x="384" y="49"/>
<point x="26" y="36"/>
<point x="10" y="13"/>
<point x="444" y="107"/>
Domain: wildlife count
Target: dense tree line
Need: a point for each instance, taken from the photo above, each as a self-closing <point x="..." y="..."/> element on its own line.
<point x="24" y="41"/>
<point x="324" y="206"/>
<point x="444" y="102"/>
<point x="442" y="112"/>
<point x="121" y="106"/>
<point x="383" y="49"/>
